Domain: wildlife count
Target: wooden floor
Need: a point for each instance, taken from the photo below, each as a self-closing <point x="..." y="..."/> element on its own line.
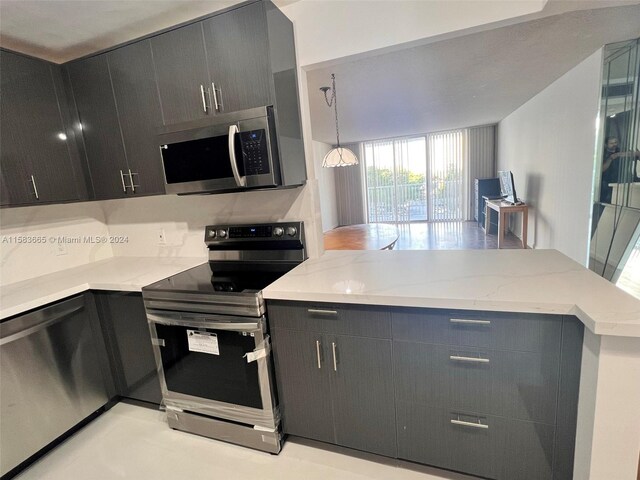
<point x="449" y="236"/>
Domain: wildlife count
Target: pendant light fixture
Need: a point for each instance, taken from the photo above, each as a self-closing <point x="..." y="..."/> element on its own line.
<point x="338" y="156"/>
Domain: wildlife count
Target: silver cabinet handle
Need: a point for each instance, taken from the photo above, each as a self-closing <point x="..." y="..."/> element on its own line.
<point x="241" y="180"/>
<point x="458" y="358"/>
<point x="216" y="105"/>
<point x="204" y="99"/>
<point x="133" y="185"/>
<point x="35" y="189"/>
<point x="124" y="186"/>
<point x="469" y="322"/>
<point x="469" y="424"/>
<point x="315" y="311"/>
<point x="318" y="353"/>
<point x="335" y="362"/>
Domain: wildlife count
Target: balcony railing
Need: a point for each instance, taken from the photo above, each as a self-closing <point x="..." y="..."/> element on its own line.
<point x="408" y="202"/>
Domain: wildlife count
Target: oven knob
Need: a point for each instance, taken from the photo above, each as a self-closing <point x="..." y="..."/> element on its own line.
<point x="291" y="231"/>
<point x="212" y="233"/>
<point x="278" y="231"/>
<point x="222" y="233"/>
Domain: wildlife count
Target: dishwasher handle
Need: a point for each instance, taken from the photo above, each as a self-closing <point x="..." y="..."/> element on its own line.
<point x="25" y="325"/>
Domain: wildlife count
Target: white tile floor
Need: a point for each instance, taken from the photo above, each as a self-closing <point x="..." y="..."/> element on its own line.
<point x="129" y="442"/>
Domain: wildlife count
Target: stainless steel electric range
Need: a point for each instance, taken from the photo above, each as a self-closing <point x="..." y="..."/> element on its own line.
<point x="209" y="331"/>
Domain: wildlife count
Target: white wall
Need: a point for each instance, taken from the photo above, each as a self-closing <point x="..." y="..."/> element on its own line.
<point x="549" y="144"/>
<point x="326" y="186"/>
<point x="328" y="30"/>
<point x="19" y="261"/>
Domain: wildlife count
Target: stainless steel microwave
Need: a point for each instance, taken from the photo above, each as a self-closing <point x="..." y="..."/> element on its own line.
<point x="232" y="151"/>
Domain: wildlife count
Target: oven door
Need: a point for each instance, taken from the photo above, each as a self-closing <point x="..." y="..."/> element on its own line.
<point x="235" y="151"/>
<point x="215" y="365"/>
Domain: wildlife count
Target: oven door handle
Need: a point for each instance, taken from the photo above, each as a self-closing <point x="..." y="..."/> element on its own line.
<point x="215" y="325"/>
<point x="241" y="180"/>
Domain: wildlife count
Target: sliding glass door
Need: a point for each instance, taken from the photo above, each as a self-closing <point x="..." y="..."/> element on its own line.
<point x="416" y="179"/>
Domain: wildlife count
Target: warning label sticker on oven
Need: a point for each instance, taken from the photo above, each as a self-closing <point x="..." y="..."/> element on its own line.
<point x="203" y="342"/>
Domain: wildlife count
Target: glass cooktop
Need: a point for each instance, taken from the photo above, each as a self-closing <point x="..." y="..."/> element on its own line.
<point x="206" y="279"/>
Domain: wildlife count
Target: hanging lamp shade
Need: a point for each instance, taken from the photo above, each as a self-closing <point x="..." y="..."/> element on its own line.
<point x="339" y="157"/>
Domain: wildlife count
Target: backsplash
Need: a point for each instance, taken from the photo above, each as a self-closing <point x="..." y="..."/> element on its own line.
<point x="141" y="222"/>
<point x="38" y="240"/>
<point x="134" y="227"/>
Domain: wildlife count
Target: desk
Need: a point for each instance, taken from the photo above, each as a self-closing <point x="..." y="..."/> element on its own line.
<point x="369" y="236"/>
<point x="505" y="208"/>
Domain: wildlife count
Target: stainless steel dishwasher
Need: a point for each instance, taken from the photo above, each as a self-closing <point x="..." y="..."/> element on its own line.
<point x="51" y="378"/>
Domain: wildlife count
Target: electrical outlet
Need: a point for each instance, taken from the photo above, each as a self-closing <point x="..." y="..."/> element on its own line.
<point x="162" y="238"/>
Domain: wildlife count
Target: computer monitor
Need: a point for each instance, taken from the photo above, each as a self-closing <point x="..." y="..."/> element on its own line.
<point x="507" y="186"/>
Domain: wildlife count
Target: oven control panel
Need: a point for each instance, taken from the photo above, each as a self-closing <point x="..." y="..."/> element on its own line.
<point x="216" y="234"/>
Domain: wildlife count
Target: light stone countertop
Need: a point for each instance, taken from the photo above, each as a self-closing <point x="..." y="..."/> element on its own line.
<point x="116" y="273"/>
<point x="528" y="281"/>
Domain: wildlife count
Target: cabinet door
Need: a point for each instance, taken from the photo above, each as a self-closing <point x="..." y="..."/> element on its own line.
<point x="362" y="388"/>
<point x="124" y="322"/>
<point x="139" y="113"/>
<point x="181" y="69"/>
<point x="237" y="46"/>
<point x="33" y="134"/>
<point x="96" y="106"/>
<point x="303" y="384"/>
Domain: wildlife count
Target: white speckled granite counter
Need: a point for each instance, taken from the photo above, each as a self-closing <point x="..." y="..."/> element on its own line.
<point x="116" y="273"/>
<point x="530" y="281"/>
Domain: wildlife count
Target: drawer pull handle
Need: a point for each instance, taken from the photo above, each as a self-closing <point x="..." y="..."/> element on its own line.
<point x="318" y="353"/>
<point x="469" y="424"/>
<point x="467" y="321"/>
<point x="314" y="311"/>
<point x="335" y="362"/>
<point x="459" y="358"/>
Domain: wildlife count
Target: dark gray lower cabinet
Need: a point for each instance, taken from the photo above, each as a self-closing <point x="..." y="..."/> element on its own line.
<point x="483" y="445"/>
<point x="362" y="394"/>
<point x="303" y="385"/>
<point x="489" y="394"/>
<point x="335" y="388"/>
<point x="124" y="324"/>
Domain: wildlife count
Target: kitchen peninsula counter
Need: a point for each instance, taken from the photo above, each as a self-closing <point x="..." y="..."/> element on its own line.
<point x="521" y="281"/>
<point x="525" y="281"/>
<point x="128" y="274"/>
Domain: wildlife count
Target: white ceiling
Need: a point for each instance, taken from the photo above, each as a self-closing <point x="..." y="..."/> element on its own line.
<point x="469" y="80"/>
<point x="61" y="30"/>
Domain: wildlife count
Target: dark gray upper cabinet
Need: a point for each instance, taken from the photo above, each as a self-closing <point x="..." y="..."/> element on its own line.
<point x="98" y="116"/>
<point x="181" y="70"/>
<point x="37" y="164"/>
<point x="139" y="113"/>
<point x="238" y="58"/>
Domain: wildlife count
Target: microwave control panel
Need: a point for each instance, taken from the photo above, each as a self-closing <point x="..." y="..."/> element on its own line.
<point x="255" y="152"/>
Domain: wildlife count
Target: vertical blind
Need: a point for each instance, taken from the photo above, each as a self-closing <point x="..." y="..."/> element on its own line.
<point x="448" y="171"/>
<point x="482" y="158"/>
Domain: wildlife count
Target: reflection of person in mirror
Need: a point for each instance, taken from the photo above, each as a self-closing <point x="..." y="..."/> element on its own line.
<point x="617" y="167"/>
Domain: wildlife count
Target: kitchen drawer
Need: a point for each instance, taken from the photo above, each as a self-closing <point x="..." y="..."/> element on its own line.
<point x="357" y="320"/>
<point x="519" y="385"/>
<point x="501" y="449"/>
<point x="495" y="330"/>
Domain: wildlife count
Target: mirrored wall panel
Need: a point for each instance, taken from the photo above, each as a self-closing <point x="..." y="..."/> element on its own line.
<point x="614" y="249"/>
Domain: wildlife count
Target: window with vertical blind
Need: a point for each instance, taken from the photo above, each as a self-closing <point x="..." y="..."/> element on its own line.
<point x="418" y="179"/>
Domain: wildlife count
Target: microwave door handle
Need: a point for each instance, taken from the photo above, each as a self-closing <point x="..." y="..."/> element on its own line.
<point x="241" y="180"/>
